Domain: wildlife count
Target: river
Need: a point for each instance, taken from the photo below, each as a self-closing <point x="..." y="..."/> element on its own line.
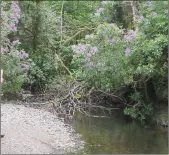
<point x="115" y="135"/>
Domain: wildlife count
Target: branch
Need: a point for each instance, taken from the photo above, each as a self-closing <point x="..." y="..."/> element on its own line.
<point x="59" y="59"/>
<point x="61" y="22"/>
<point x="110" y="94"/>
<point x="71" y="38"/>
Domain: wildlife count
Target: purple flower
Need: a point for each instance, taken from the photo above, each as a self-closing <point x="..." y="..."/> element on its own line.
<point x="150" y="5"/>
<point x="3" y="13"/>
<point x="100" y="10"/>
<point x="15" y="7"/>
<point x="127" y="52"/>
<point x="15" y="15"/>
<point x="92" y="52"/>
<point x="133" y="33"/>
<point x="95" y="49"/>
<point x="12" y="27"/>
<point x="111" y="41"/>
<point x="4" y="49"/>
<point x="16" y="42"/>
<point x="128" y="37"/>
<point x="15" y="18"/>
<point x="26" y="67"/>
<point x="24" y="54"/>
<point x="140" y="19"/>
<point x="89" y="55"/>
<point x="112" y="25"/>
<point x="83" y="48"/>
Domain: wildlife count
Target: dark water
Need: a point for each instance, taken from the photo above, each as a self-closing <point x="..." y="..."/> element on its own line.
<point x="117" y="136"/>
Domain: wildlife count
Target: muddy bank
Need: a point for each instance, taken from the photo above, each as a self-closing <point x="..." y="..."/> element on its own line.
<point x="34" y="131"/>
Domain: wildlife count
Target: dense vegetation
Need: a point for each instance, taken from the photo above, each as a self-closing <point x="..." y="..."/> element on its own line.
<point x="119" y="49"/>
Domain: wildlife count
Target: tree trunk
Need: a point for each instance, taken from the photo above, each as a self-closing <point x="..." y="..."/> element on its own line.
<point x="134" y="5"/>
<point x="36" y="24"/>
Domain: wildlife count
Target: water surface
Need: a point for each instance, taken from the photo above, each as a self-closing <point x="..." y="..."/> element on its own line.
<point x="117" y="136"/>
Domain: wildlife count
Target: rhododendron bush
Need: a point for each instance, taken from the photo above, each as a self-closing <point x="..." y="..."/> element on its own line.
<point x="14" y="60"/>
<point x="123" y="54"/>
<point x="102" y="57"/>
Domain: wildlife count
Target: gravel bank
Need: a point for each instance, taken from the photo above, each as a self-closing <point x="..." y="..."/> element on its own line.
<point x="34" y="131"/>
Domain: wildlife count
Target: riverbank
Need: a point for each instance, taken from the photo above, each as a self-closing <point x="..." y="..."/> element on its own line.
<point x="35" y="131"/>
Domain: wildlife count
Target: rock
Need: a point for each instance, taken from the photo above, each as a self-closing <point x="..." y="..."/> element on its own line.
<point x="2" y="136"/>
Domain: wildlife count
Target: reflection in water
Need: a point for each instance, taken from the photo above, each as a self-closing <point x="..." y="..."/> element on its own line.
<point x="115" y="136"/>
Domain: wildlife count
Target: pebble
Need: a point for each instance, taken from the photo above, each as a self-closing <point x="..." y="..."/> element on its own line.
<point x="34" y="131"/>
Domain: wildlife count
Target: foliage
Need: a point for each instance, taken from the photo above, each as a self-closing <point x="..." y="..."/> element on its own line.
<point x="102" y="57"/>
<point x="95" y="41"/>
<point x="125" y="58"/>
<point x="151" y="45"/>
<point x="140" y="110"/>
<point x="46" y="29"/>
<point x="150" y="50"/>
<point x="15" y="61"/>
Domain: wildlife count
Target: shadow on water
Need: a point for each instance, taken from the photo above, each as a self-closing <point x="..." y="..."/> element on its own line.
<point x="116" y="136"/>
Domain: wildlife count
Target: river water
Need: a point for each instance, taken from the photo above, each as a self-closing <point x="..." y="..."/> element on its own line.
<point x="115" y="135"/>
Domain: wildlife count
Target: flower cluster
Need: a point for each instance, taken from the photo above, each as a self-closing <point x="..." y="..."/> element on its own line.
<point x="15" y="15"/>
<point x="24" y="54"/>
<point x="112" y="25"/>
<point x="3" y="50"/>
<point x="140" y="19"/>
<point x="99" y="11"/>
<point x="16" y="42"/>
<point x="9" y="48"/>
<point x="130" y="36"/>
<point x="111" y="41"/>
<point x="26" y="67"/>
<point x="150" y="5"/>
<point x="85" y="49"/>
<point x="128" y="51"/>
